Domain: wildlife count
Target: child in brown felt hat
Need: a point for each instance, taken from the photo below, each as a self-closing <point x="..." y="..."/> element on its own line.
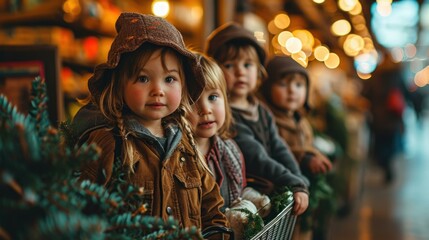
<point x="266" y="155"/>
<point x="138" y="100"/>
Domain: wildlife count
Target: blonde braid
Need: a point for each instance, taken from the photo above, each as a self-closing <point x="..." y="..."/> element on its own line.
<point x="189" y="133"/>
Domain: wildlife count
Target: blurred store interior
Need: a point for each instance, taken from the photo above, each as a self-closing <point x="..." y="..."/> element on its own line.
<point x="352" y="49"/>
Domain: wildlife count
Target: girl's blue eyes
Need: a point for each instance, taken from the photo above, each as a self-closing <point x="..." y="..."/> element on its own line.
<point x="213" y="97"/>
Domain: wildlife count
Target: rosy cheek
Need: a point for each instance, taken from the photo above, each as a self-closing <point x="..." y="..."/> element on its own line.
<point x="135" y="91"/>
<point x="176" y="98"/>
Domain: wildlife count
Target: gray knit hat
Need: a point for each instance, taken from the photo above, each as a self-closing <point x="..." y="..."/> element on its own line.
<point x="277" y="67"/>
<point x="133" y="30"/>
<point x="232" y="33"/>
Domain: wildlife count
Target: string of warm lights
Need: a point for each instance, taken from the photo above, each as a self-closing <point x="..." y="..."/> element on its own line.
<point x="350" y="30"/>
<point x="302" y="46"/>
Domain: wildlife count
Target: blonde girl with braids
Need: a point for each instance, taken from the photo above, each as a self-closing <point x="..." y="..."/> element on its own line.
<point x="211" y="121"/>
<point x="137" y="103"/>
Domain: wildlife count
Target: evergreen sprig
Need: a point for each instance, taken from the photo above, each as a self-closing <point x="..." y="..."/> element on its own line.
<point x="39" y="106"/>
<point x="280" y="199"/>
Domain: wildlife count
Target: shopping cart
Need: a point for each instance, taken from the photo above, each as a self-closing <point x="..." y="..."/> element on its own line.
<point x="279" y="228"/>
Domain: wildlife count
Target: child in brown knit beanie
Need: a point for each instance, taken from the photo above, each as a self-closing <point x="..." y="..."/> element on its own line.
<point x="266" y="155"/>
<point x="286" y="93"/>
<point x="138" y="100"/>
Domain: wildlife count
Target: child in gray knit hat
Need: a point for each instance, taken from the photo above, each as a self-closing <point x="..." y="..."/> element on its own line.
<point x="266" y="155"/>
<point x="137" y="103"/>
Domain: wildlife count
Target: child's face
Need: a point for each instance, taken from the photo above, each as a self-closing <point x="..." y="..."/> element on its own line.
<point x="241" y="75"/>
<point x="156" y="92"/>
<point x="208" y="113"/>
<point x="289" y="93"/>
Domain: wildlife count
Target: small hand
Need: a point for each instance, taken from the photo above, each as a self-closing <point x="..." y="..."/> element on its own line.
<point x="320" y="164"/>
<point x="301" y="202"/>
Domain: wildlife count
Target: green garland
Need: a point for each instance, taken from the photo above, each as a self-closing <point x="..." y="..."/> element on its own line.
<point x="280" y="199"/>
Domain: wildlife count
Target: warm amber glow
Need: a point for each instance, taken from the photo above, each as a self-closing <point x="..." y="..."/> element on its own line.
<point x="357" y="19"/>
<point x="347" y="5"/>
<point x="71" y="10"/>
<point x="341" y="27"/>
<point x="384" y="1"/>
<point x="275" y="42"/>
<point x="318" y="1"/>
<point x="285" y="51"/>
<point x="160" y="8"/>
<point x="306" y="38"/>
<point x="333" y="61"/>
<point x="282" y="21"/>
<point x="353" y="44"/>
<point x="357" y="9"/>
<point x="364" y="76"/>
<point x="321" y="53"/>
<point x="294" y="45"/>
<point x="301" y="58"/>
<point x="421" y="78"/>
<point x="360" y="27"/>
<point x="272" y="28"/>
<point x="283" y="37"/>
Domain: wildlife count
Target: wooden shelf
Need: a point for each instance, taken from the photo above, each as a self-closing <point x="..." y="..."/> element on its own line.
<point x="52" y="14"/>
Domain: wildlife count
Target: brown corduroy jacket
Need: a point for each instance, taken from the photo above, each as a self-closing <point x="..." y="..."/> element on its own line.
<point x="178" y="186"/>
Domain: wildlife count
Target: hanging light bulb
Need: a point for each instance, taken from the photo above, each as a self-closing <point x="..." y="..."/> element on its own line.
<point x="294" y="45"/>
<point x="160" y="8"/>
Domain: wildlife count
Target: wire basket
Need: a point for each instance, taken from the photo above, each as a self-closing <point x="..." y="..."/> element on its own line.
<point x="280" y="227"/>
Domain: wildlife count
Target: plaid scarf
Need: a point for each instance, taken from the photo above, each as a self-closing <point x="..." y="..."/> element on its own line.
<point x="227" y="154"/>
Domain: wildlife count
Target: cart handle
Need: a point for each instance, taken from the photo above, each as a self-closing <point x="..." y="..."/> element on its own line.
<point x="212" y="230"/>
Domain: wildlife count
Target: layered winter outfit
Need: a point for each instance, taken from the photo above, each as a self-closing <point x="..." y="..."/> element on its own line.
<point x="294" y="129"/>
<point x="175" y="182"/>
<point x="266" y="155"/>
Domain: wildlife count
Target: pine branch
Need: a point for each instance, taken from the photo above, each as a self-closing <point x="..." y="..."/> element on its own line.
<point x="39" y="106"/>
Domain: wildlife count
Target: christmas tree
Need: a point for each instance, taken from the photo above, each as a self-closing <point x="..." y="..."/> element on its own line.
<point x="41" y="197"/>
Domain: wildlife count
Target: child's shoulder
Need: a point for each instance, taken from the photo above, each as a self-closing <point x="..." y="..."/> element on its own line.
<point x="104" y="135"/>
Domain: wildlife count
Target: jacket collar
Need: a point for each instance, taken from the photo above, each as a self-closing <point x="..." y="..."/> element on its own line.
<point x="172" y="133"/>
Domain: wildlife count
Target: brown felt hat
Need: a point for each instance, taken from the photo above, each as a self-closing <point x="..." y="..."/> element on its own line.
<point x="133" y="30"/>
<point x="233" y="33"/>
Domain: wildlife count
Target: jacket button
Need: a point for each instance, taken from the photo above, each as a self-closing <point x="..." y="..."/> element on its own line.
<point x="169" y="211"/>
